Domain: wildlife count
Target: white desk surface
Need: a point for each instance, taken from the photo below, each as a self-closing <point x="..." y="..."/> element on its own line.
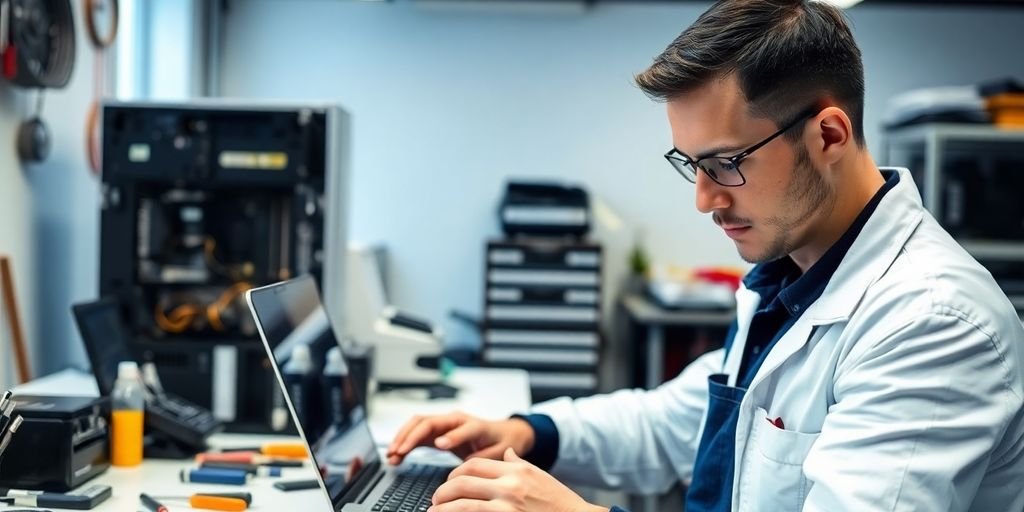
<point x="489" y="393"/>
<point x="485" y="392"/>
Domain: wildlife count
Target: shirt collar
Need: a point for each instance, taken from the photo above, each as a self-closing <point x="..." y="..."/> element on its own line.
<point x="800" y="291"/>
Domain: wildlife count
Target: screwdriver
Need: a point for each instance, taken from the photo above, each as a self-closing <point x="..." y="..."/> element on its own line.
<point x="248" y="458"/>
<point x="252" y="469"/>
<point x="286" y="450"/>
<point x="215" y="501"/>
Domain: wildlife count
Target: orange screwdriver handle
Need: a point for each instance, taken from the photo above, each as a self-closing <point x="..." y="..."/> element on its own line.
<point x="291" y="451"/>
<point x="240" y="457"/>
<point x="217" y="503"/>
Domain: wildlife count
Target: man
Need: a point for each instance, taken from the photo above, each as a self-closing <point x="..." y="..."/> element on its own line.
<point x="874" y="365"/>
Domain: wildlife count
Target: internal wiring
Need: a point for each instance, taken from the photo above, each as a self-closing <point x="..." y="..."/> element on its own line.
<point x="239" y="272"/>
<point x="214" y="311"/>
<point x="178" y="320"/>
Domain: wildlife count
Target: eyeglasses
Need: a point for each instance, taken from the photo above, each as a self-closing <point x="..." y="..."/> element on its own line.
<point x="725" y="170"/>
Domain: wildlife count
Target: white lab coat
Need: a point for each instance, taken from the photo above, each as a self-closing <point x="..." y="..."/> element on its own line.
<point x="900" y="388"/>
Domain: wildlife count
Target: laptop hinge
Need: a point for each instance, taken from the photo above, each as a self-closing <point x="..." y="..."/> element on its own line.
<point x="363" y="484"/>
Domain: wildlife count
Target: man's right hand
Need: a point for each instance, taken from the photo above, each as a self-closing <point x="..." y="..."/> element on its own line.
<point x="463" y="435"/>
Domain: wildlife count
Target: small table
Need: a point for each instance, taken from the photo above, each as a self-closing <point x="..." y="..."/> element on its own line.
<point x="643" y="311"/>
<point x="654" y="318"/>
<point x="488" y="393"/>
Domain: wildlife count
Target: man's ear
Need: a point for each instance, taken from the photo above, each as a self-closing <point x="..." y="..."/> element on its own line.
<point x="831" y="135"/>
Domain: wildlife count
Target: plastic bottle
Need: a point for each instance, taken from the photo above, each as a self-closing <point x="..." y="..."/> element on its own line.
<point x="279" y="417"/>
<point x="128" y="404"/>
<point x="337" y="403"/>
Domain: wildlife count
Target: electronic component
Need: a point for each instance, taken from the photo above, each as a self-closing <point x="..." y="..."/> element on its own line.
<point x="62" y="443"/>
<point x="83" y="499"/>
<point x="175" y="427"/>
<point x="201" y="202"/>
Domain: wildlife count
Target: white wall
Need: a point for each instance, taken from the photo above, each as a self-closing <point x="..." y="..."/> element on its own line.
<point x="16" y="238"/>
<point x="49" y="217"/>
<point x="449" y="101"/>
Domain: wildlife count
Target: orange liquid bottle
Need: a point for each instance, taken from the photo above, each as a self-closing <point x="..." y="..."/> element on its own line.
<point x="128" y="404"/>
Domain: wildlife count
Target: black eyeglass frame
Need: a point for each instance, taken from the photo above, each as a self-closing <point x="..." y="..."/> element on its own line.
<point x="680" y="161"/>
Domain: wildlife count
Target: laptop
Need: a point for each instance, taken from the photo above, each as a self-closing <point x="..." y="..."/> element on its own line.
<point x="175" y="427"/>
<point x="351" y="471"/>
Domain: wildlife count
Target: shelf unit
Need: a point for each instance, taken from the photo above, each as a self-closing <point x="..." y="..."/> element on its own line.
<point x="970" y="177"/>
<point x="542" y="311"/>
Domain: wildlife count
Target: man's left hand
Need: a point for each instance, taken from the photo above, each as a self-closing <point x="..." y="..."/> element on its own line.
<point x="509" y="485"/>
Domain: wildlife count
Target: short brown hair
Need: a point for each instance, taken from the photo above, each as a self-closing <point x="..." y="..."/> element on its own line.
<point x="786" y="54"/>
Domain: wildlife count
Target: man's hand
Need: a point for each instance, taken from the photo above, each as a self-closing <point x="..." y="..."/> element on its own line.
<point x="509" y="485"/>
<point x="463" y="435"/>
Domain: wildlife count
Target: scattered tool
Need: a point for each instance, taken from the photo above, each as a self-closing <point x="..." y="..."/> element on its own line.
<point x="206" y="501"/>
<point x="151" y="504"/>
<point x="8" y="425"/>
<point x="252" y="469"/>
<point x="5" y="416"/>
<point x="85" y="499"/>
<point x="215" y="476"/>
<point x="286" y="450"/>
<point x="5" y="438"/>
<point x="248" y="458"/>
<point x="297" y="485"/>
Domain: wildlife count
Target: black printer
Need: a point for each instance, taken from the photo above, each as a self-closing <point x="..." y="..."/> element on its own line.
<point x="62" y="443"/>
<point x="545" y="209"/>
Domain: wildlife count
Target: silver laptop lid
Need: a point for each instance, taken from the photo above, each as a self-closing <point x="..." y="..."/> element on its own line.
<point x="290" y="315"/>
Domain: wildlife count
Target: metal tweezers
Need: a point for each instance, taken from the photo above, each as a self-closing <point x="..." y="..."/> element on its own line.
<point x="8" y="426"/>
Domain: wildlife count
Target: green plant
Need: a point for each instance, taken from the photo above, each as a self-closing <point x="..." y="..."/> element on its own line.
<point x="639" y="262"/>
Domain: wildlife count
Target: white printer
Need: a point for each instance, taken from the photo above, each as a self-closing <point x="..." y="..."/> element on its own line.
<point x="407" y="350"/>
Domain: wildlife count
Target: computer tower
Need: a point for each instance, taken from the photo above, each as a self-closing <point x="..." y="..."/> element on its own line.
<point x="202" y="201"/>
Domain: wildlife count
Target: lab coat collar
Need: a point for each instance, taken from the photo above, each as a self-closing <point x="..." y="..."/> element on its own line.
<point x="875" y="249"/>
<point x="872" y="253"/>
<point x="886" y="231"/>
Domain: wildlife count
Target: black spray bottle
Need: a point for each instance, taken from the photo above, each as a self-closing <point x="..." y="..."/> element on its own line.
<point x="298" y="375"/>
<point x="335" y="403"/>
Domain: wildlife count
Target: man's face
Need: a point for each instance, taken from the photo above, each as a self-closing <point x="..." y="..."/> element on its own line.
<point x="772" y="214"/>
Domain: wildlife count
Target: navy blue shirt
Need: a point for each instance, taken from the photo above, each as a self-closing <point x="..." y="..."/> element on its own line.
<point x="785" y="294"/>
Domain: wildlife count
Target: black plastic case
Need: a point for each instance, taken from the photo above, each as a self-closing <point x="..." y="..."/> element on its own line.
<point x="63" y="443"/>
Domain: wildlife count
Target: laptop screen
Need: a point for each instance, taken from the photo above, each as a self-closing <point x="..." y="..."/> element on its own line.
<point x="106" y="339"/>
<point x="330" y="415"/>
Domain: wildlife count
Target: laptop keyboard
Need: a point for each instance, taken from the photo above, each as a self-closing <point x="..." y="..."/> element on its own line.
<point x="183" y="411"/>
<point x="412" y="489"/>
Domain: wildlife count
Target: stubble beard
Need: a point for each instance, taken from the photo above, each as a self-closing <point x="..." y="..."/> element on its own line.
<point x="807" y="194"/>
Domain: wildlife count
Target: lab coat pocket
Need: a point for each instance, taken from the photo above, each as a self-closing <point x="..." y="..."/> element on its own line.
<point x="776" y="475"/>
